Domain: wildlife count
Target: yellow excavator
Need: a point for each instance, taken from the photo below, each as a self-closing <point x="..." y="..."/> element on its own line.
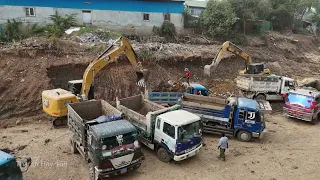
<point x="251" y="68"/>
<point x="55" y="101"/>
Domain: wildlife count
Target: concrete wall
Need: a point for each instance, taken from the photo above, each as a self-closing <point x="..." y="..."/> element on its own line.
<point x="128" y="22"/>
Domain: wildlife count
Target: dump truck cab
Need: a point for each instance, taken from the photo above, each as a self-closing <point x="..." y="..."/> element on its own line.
<point x="303" y="104"/>
<point x="249" y="118"/>
<point x="9" y="168"/>
<point x="197" y="89"/>
<point x="180" y="132"/>
<point x="114" y="148"/>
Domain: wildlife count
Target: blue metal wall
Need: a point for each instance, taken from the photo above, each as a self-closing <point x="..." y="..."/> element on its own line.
<point x="120" y="5"/>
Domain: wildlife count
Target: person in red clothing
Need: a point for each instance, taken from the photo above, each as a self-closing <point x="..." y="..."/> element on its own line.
<point x="187" y="74"/>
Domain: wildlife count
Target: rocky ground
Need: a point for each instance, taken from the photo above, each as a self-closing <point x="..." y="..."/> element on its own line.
<point x="289" y="151"/>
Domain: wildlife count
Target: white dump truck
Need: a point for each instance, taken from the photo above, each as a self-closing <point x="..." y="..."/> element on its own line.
<point x="262" y="87"/>
<point x="173" y="133"/>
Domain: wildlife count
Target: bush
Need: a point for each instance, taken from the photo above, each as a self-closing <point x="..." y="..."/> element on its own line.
<point x="60" y="24"/>
<point x="218" y="18"/>
<point x="167" y="30"/>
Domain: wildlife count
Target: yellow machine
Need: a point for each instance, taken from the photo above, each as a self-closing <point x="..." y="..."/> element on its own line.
<point x="55" y="101"/>
<point x="251" y="68"/>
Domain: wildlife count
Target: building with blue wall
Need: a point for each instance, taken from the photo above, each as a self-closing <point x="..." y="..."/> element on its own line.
<point x="128" y="16"/>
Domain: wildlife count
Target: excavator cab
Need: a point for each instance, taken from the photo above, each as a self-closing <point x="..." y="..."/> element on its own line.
<point x="75" y="86"/>
<point x="256" y="68"/>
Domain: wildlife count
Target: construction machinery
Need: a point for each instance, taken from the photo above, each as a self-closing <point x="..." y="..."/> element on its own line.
<point x="55" y="101"/>
<point x="251" y="68"/>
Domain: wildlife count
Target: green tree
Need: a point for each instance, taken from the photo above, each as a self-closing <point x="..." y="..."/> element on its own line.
<point x="218" y="18"/>
<point x="251" y="9"/>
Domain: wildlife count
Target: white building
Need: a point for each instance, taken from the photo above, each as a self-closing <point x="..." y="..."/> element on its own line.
<point x="128" y="16"/>
<point x="195" y="7"/>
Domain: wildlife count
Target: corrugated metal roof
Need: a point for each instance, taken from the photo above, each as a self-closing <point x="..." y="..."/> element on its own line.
<point x="113" y="128"/>
<point x="196" y="3"/>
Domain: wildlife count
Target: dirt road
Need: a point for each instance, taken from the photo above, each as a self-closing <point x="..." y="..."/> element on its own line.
<point x="289" y="151"/>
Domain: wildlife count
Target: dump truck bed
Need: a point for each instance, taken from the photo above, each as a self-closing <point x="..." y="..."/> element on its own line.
<point x="258" y="83"/>
<point x="164" y="97"/>
<point x="211" y="102"/>
<point x="136" y="108"/>
<point x="80" y="114"/>
<point x="142" y="112"/>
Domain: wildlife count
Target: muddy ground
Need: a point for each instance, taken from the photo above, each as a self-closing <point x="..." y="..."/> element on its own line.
<point x="289" y="151"/>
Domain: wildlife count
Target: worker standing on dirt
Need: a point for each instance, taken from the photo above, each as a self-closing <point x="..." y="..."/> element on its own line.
<point x="223" y="145"/>
<point x="187" y="75"/>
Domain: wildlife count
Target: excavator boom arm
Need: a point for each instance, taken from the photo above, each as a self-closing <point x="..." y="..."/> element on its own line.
<point x="230" y="47"/>
<point x="107" y="57"/>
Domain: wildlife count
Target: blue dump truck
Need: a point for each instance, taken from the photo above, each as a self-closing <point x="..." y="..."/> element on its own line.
<point x="239" y="117"/>
<point x="9" y="168"/>
<point x="171" y="98"/>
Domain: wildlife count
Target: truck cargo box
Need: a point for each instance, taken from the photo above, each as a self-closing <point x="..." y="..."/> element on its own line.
<point x="256" y="83"/>
<point x="79" y="114"/>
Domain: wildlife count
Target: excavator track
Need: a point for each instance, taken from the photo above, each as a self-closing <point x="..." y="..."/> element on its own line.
<point x="59" y="122"/>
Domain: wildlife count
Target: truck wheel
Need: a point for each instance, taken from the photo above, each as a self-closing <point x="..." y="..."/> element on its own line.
<point x="74" y="149"/>
<point x="163" y="155"/>
<point x="244" y="136"/>
<point x="261" y="97"/>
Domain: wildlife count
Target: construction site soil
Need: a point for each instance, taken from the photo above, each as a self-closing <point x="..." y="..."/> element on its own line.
<point x="38" y="64"/>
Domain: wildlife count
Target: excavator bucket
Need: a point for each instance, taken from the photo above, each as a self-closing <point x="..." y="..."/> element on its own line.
<point x="142" y="77"/>
<point x="208" y="69"/>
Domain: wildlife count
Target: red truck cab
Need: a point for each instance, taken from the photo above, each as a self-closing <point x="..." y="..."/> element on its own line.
<point x="303" y="104"/>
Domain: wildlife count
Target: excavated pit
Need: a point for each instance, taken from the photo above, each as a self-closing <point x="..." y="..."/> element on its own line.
<point x="119" y="79"/>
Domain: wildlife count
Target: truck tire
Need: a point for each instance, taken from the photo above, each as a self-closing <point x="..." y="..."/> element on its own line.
<point x="163" y="155"/>
<point x="74" y="149"/>
<point x="57" y="122"/>
<point x="244" y="136"/>
<point x="260" y="97"/>
<point x="91" y="171"/>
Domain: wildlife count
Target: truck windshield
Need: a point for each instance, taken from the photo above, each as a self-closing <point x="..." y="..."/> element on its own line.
<point x="10" y="170"/>
<point x="118" y="144"/>
<point x="301" y="100"/>
<point x="188" y="131"/>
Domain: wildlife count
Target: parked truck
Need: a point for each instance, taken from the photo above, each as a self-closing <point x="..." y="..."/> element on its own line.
<point x="303" y="102"/>
<point x="171" y="98"/>
<point x="106" y="141"/>
<point x="262" y="87"/>
<point x="171" y="132"/>
<point x="239" y="117"/>
<point x="10" y="168"/>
